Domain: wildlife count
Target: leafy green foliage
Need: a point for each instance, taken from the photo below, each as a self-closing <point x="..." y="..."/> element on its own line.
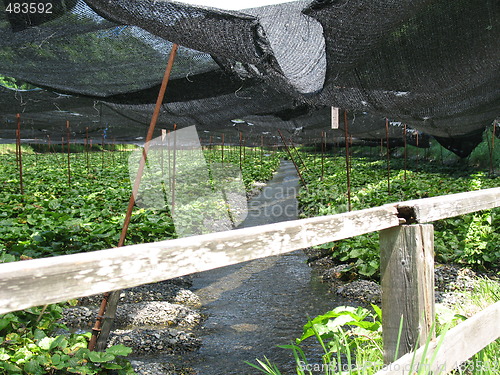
<point x="27" y="348"/>
<point x="350" y="339"/>
<point x="54" y="218"/>
<point x="471" y="239"/>
<point x="12" y="83"/>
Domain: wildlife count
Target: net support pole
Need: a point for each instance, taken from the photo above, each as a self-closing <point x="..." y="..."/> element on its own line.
<point x="241" y="152"/>
<point x="347" y="162"/>
<point x="87" y="148"/>
<point x="293" y="160"/>
<point x="222" y="149"/>
<point x="298" y="155"/>
<point x="323" y="155"/>
<point x="69" y="152"/>
<point x="19" y="153"/>
<point x="104" y="321"/>
<point x="418" y="154"/>
<point x="492" y="151"/>
<point x="388" y="148"/>
<point x="406" y="151"/>
<point x="174" y="166"/>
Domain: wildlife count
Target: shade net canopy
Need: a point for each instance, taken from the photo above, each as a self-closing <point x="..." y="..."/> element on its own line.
<point x="431" y="64"/>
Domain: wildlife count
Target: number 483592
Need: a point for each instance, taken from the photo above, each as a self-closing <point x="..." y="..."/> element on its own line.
<point x="29" y="8"/>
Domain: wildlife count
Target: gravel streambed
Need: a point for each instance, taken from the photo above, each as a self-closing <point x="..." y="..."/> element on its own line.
<point x="155" y="320"/>
<point x="450" y="281"/>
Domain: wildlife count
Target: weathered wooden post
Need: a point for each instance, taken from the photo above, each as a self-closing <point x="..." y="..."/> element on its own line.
<point x="407" y="273"/>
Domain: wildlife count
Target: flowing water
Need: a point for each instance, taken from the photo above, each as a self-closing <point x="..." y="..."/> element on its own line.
<point x="252" y="307"/>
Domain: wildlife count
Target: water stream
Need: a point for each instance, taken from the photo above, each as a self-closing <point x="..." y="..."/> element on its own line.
<point x="252" y="307"/>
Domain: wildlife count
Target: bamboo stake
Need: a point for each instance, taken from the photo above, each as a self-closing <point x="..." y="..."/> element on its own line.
<point x="19" y="153"/>
<point x="347" y="163"/>
<point x="101" y="329"/>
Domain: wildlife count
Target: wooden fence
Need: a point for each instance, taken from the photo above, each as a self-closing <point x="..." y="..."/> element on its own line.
<point x="407" y="269"/>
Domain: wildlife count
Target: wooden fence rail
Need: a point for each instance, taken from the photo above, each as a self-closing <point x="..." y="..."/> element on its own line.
<point x="406" y="254"/>
<point x="459" y="344"/>
<point x="49" y="280"/>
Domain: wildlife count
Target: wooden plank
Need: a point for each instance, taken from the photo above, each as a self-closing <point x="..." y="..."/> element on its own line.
<point x="442" y="207"/>
<point x="459" y="344"/>
<point x="407" y="280"/>
<point x="49" y="280"/>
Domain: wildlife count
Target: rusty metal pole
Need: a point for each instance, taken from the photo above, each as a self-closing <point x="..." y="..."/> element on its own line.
<point x="241" y="141"/>
<point x="102" y="327"/>
<point x="298" y="154"/>
<point x="388" y="156"/>
<point x="492" y="150"/>
<point x="169" y="163"/>
<point x="19" y="153"/>
<point x="222" y="149"/>
<point x="69" y="152"/>
<point x="18" y="131"/>
<point x="87" y="148"/>
<point x="261" y="148"/>
<point x="174" y="162"/>
<point x="406" y="150"/>
<point x="418" y="154"/>
<point x="347" y="161"/>
<point x="322" y="155"/>
<point x="293" y="160"/>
